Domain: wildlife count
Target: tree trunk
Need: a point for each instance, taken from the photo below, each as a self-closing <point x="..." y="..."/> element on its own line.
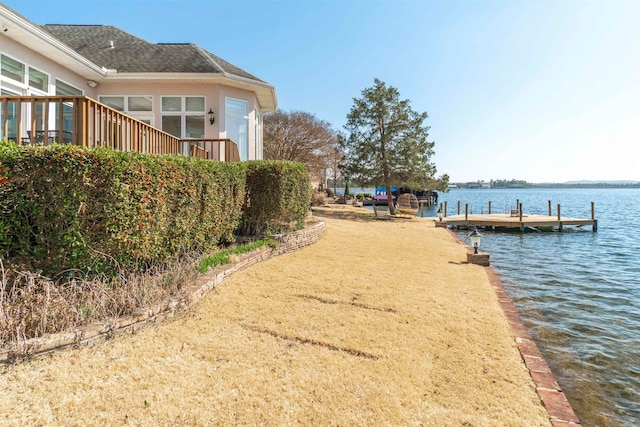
<point x="392" y="208"/>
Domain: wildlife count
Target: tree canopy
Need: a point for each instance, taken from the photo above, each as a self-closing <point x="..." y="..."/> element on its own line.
<point x="387" y="143"/>
<point x="301" y="137"/>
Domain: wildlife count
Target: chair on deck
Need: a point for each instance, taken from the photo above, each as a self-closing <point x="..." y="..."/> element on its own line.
<point x="408" y="204"/>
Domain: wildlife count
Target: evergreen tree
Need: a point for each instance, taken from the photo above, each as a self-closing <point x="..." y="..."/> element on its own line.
<point x="387" y="143"/>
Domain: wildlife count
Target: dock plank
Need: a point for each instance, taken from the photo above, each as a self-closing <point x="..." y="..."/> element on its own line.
<point x="506" y="220"/>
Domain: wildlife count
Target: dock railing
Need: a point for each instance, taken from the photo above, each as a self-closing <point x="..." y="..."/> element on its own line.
<point x="82" y="121"/>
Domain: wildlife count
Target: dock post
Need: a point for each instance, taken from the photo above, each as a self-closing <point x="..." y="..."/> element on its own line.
<point x="489" y="207"/>
<point x="558" y="211"/>
<point x="466" y="212"/>
<point x="593" y="217"/>
<point x="549" y="202"/>
<point x="445" y="208"/>
<point x="458" y="207"/>
<point x="520" y="211"/>
<point x="560" y="227"/>
<point x="595" y="225"/>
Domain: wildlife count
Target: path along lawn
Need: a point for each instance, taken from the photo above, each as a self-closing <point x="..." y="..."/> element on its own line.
<point x="378" y="323"/>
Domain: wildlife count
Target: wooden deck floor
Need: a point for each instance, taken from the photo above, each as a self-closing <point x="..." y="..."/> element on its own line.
<point x="528" y="220"/>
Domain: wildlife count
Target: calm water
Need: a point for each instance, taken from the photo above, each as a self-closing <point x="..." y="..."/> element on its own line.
<point x="578" y="292"/>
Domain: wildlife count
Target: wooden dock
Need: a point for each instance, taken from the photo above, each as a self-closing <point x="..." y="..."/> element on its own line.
<point x="517" y="219"/>
<point x="524" y="222"/>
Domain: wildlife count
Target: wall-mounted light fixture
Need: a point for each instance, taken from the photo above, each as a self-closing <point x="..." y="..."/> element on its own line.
<point x="92" y="83"/>
<point x="212" y="118"/>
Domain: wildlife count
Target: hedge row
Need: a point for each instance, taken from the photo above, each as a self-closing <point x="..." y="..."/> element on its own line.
<point x="101" y="211"/>
<point x="277" y="198"/>
<point x="67" y="210"/>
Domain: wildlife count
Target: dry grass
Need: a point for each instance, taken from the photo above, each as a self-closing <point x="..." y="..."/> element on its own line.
<point x="33" y="306"/>
<point x="379" y="323"/>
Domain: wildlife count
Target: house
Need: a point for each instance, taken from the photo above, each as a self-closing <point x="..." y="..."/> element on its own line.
<point x="97" y="85"/>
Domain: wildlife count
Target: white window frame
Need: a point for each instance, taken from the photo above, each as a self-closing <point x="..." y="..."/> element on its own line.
<point x="24" y="87"/>
<point x="145" y="116"/>
<point x="183" y="113"/>
<point x="241" y="150"/>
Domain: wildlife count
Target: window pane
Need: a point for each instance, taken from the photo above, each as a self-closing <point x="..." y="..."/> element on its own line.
<point x="63" y="89"/>
<point x="140" y="103"/>
<point x="195" y="103"/>
<point x="236" y="107"/>
<point x="171" y="103"/>
<point x="115" y="102"/>
<point x="172" y="125"/>
<point x="195" y="127"/>
<point x="38" y="80"/>
<point x="12" y="69"/>
<point x="237" y="131"/>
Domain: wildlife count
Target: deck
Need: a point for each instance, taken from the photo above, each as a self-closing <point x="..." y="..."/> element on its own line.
<point x="517" y="221"/>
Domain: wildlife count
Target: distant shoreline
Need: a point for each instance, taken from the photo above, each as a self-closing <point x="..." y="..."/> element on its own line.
<point x="524" y="187"/>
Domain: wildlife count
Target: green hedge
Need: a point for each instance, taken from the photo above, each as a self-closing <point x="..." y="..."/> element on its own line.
<point x="101" y="211"/>
<point x="278" y="197"/>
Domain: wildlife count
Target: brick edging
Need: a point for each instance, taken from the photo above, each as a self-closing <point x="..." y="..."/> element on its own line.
<point x="554" y="400"/>
<point x="99" y="331"/>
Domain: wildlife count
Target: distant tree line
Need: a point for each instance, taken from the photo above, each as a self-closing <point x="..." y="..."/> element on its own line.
<point x="517" y="183"/>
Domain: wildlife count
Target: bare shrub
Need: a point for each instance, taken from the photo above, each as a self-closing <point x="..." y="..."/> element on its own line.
<point x="32" y="305"/>
<point x="318" y="199"/>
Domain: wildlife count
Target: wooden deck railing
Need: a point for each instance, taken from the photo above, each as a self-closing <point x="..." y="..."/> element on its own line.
<point x="216" y="148"/>
<point x="83" y="121"/>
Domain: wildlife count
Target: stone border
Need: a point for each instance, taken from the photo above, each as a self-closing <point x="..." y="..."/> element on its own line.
<point x="554" y="400"/>
<point x="99" y="331"/>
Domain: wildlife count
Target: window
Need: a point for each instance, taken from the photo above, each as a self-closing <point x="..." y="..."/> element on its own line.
<point x="12" y="115"/>
<point x="183" y="116"/>
<point x="139" y="106"/>
<point x="64" y="89"/>
<point x="12" y="69"/>
<point x="38" y="80"/>
<point x="237" y="124"/>
<point x="140" y="103"/>
<point x="115" y="102"/>
<point x="258" y="130"/>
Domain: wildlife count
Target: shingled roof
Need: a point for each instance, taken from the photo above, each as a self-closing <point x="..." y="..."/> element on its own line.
<point x="113" y="48"/>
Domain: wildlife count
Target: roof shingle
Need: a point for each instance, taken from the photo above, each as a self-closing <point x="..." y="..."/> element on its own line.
<point x="113" y="48"/>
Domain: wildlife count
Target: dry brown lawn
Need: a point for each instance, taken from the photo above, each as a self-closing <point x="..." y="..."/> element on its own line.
<point x="379" y="323"/>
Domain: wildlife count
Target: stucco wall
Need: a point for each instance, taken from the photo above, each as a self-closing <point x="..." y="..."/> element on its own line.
<point x="43" y="64"/>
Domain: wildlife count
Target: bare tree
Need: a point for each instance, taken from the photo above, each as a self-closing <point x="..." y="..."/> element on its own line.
<point x="301" y="137"/>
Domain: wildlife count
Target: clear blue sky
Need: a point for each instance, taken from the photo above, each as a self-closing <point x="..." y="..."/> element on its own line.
<point x="533" y="89"/>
